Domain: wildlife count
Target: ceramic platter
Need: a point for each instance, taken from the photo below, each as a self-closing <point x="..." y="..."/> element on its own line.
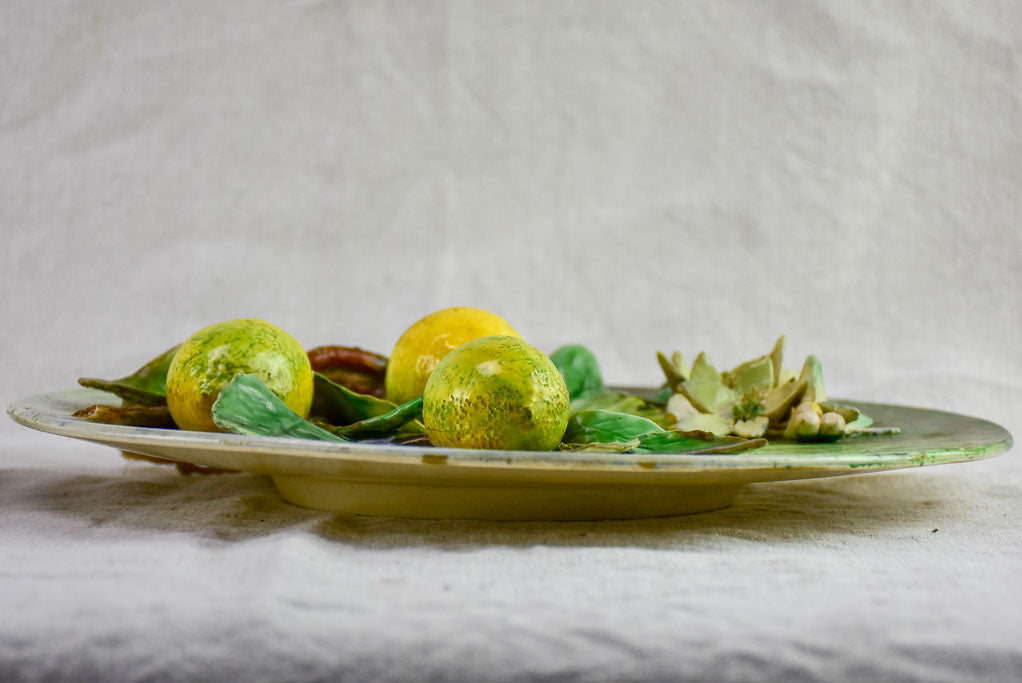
<point x="447" y="483"/>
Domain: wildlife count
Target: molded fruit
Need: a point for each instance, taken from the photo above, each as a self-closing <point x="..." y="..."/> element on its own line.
<point x="496" y="392"/>
<point x="211" y="357"/>
<point x="428" y="341"/>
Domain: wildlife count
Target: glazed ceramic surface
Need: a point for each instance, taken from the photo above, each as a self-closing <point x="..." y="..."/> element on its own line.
<point x="449" y="483"/>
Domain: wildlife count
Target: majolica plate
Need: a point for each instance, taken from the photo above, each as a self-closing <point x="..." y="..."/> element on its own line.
<point x="446" y="483"/>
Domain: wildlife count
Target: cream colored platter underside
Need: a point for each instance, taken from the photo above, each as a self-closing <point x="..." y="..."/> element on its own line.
<point x="445" y="483"/>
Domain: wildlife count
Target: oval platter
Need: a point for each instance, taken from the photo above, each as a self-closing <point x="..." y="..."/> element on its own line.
<point x="447" y="483"/>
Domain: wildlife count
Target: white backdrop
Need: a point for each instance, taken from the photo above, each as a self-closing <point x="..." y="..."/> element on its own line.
<point x="631" y="176"/>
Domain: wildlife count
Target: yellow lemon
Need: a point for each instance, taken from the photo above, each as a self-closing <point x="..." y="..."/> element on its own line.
<point x="425" y="344"/>
<point x="496" y="392"/>
<point x="214" y="355"/>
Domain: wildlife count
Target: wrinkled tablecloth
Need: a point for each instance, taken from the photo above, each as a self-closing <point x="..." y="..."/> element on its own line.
<point x="114" y="569"/>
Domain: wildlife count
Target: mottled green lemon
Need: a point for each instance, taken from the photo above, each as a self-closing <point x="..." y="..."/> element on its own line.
<point x="425" y="344"/>
<point x="215" y="354"/>
<point x="496" y="392"/>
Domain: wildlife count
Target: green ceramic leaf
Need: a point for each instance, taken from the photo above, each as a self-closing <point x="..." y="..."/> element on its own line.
<point x="623" y="402"/>
<point x="812" y="373"/>
<point x="339" y="405"/>
<point x="675" y="369"/>
<point x="580" y="370"/>
<point x="382" y="425"/>
<point x="706" y="395"/>
<point x="604" y="426"/>
<point x="777" y="358"/>
<point x="754" y="377"/>
<point x="615" y="429"/>
<point x="780" y="399"/>
<point x="147" y="386"/>
<point x="705" y="388"/>
<point x="246" y="406"/>
<point x="674" y="441"/>
<point x="703" y="370"/>
<point x="663" y="394"/>
<point x="860" y="423"/>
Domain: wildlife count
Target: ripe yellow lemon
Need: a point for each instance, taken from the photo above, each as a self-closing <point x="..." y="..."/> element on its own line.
<point x="425" y="344"/>
<point x="496" y="392"/>
<point x="214" y="355"/>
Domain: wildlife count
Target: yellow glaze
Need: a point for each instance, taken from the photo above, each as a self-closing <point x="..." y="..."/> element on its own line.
<point x="424" y="344"/>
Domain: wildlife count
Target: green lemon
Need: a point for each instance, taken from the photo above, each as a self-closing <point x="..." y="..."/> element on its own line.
<point x="211" y="357"/>
<point x="496" y="392"/>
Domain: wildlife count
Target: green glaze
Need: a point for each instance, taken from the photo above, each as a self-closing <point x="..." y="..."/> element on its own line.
<point x="616" y="429"/>
<point x="146" y="386"/>
<point x="703" y="370"/>
<point x="382" y="425"/>
<point x="927" y="437"/>
<point x="496" y="393"/>
<point x="747" y="410"/>
<point x="694" y="442"/>
<point x="675" y="368"/>
<point x="581" y="372"/>
<point x="759" y="375"/>
<point x="777" y="358"/>
<point x="245" y="405"/>
<point x="339" y="405"/>
<point x="779" y="400"/>
<point x="211" y="358"/>
<point x="752" y="378"/>
<point x="605" y="426"/>
<point x="705" y="387"/>
<point x="623" y="402"/>
<point x="812" y="374"/>
<point x="706" y="395"/>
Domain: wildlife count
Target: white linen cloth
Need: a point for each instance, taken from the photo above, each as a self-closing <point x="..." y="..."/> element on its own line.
<point x="129" y="571"/>
<point x="631" y="176"/>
